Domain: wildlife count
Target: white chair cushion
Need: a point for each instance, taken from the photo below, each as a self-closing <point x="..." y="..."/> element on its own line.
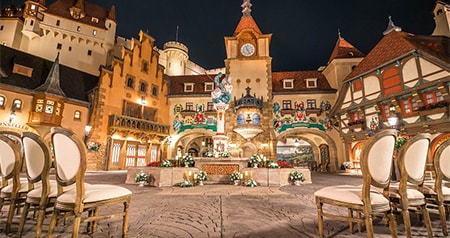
<point x="94" y="193"/>
<point x="352" y="194"/>
<point x="37" y="191"/>
<point x="429" y="189"/>
<point x="7" y="190"/>
<point x="415" y="197"/>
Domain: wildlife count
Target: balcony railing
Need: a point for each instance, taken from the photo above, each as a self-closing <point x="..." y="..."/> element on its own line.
<point x="132" y="124"/>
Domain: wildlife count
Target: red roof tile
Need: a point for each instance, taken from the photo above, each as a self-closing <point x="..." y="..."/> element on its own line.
<point x="177" y="84"/>
<point x="396" y="44"/>
<point x="61" y="8"/>
<point x="344" y="49"/>
<point x="247" y="22"/>
<point x="299" y="78"/>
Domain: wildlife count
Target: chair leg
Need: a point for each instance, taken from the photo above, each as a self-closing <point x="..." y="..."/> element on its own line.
<point x="426" y="216"/>
<point x="12" y="209"/>
<point x="76" y="224"/>
<point x="52" y="225"/>
<point x="392" y="224"/>
<point x="350" y="223"/>
<point x="23" y="218"/>
<point x="406" y="222"/>
<point x="359" y="222"/>
<point x="40" y="221"/>
<point x="369" y="225"/>
<point x="443" y="219"/>
<point x="126" y="207"/>
<point x="319" y="217"/>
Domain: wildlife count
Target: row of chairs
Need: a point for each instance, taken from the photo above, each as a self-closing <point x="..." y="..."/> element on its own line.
<point x="67" y="195"/>
<point x="379" y="196"/>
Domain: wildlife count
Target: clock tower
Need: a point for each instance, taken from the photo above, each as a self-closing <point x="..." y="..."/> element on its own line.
<point x="249" y="66"/>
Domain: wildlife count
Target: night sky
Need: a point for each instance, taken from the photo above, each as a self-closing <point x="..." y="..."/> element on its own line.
<point x="304" y="32"/>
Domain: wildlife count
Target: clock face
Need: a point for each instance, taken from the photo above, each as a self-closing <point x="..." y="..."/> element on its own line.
<point x="247" y="49"/>
<point x="49" y="109"/>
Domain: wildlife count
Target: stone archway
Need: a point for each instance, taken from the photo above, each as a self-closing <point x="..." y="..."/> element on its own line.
<point x="303" y="134"/>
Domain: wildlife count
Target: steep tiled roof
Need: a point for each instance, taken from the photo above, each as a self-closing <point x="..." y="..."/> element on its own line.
<point x="247" y="22"/>
<point x="61" y="8"/>
<point x="75" y="84"/>
<point x="12" y="11"/>
<point x="177" y="84"/>
<point x="299" y="78"/>
<point x="344" y="49"/>
<point x="396" y="44"/>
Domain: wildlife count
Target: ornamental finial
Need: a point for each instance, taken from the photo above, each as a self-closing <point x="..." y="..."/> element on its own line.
<point x="246" y="8"/>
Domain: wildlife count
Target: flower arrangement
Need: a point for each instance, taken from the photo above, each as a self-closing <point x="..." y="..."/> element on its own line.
<point x="166" y="163"/>
<point x="284" y="164"/>
<point x="401" y="140"/>
<point x="202" y="175"/>
<point x="155" y="164"/>
<point x="254" y="159"/>
<point x="273" y="165"/>
<point x="225" y="154"/>
<point x="296" y="176"/>
<point x="208" y="154"/>
<point x="186" y="184"/>
<point x="187" y="160"/>
<point x="236" y="175"/>
<point x="251" y="183"/>
<point x="94" y="146"/>
<point x="347" y="164"/>
<point x="141" y="176"/>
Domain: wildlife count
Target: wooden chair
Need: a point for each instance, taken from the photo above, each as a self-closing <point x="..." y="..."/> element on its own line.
<point x="70" y="161"/>
<point x="43" y="192"/>
<point x="13" y="190"/>
<point x="372" y="197"/>
<point x="406" y="194"/>
<point x="437" y="194"/>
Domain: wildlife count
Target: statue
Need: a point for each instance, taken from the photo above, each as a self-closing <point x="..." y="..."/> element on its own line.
<point x="222" y="92"/>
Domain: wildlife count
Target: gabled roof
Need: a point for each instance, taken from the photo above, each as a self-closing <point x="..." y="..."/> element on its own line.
<point x="344" y="49"/>
<point x="74" y="83"/>
<point x="176" y="85"/>
<point x="247" y="23"/>
<point x="62" y="8"/>
<point x="396" y="44"/>
<point x="299" y="78"/>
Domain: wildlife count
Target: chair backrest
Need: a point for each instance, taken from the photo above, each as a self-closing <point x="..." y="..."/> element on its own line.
<point x="14" y="136"/>
<point x="37" y="158"/>
<point x="441" y="160"/>
<point x="412" y="159"/>
<point x="376" y="159"/>
<point x="70" y="157"/>
<point x="9" y="160"/>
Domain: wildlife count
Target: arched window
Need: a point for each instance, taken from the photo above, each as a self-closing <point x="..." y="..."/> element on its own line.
<point x="240" y="119"/>
<point x="256" y="120"/>
<point x="2" y="101"/>
<point x="17" y="104"/>
<point x="77" y="115"/>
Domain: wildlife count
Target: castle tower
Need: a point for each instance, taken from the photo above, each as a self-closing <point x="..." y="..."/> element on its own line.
<point x="442" y="19"/>
<point x="33" y="15"/>
<point x="176" y="57"/>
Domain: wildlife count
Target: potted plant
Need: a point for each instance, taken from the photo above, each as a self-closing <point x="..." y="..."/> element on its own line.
<point x="254" y="161"/>
<point x="93" y="146"/>
<point x="251" y="183"/>
<point x="186" y="183"/>
<point x="236" y="176"/>
<point x="273" y="165"/>
<point x="140" y="178"/>
<point x="166" y="163"/>
<point x="187" y="160"/>
<point x="296" y="177"/>
<point x="201" y="176"/>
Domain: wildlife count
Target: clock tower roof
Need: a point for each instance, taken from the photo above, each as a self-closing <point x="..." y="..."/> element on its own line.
<point x="247" y="22"/>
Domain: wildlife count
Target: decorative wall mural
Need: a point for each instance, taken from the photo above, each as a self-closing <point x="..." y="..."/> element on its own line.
<point x="185" y="120"/>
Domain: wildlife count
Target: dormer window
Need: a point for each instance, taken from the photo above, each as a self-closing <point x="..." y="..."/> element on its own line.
<point x="94" y="19"/>
<point x="311" y="83"/>
<point x="188" y="87"/>
<point x="288" y="83"/>
<point x="209" y="86"/>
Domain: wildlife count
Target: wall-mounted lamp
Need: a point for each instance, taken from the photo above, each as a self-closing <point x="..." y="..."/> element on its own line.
<point x="12" y="115"/>
<point x="392" y="119"/>
<point x="143" y="100"/>
<point x="87" y="129"/>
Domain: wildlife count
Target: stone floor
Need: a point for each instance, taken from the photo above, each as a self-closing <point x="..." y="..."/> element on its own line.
<point x="222" y="211"/>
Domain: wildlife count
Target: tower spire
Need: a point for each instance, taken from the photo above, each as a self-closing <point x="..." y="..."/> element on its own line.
<point x="391" y="27"/>
<point x="246" y="8"/>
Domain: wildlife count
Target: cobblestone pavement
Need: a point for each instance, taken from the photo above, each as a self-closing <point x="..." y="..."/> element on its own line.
<point x="222" y="211"/>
